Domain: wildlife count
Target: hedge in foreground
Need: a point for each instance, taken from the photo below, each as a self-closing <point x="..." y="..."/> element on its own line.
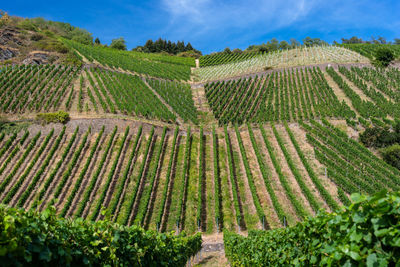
<point x="44" y="239"/>
<point x="367" y="233"/>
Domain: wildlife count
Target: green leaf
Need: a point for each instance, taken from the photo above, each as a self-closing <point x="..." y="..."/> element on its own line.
<point x="372" y="260"/>
<point x="354" y="255"/>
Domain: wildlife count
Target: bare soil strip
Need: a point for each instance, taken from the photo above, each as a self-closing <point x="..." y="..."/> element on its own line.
<point x="252" y="218"/>
<point x="265" y="200"/>
<point x="275" y="182"/>
<point x="299" y="165"/>
<point x="314" y="163"/>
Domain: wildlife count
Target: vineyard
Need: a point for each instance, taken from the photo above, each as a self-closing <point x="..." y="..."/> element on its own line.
<point x="224" y="58"/>
<point x="172" y="179"/>
<point x="290" y="95"/>
<point x="301" y="56"/>
<point x="148" y="146"/>
<point x="167" y="67"/>
<point x="368" y="50"/>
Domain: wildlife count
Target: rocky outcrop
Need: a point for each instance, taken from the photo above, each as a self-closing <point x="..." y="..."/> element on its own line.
<point x="7" y="53"/>
<point x="39" y="58"/>
<point x="9" y="36"/>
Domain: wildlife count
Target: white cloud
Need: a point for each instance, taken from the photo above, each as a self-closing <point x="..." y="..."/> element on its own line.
<point x="235" y="14"/>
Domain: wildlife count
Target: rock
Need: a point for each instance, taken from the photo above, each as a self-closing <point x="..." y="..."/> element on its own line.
<point x="7" y="53"/>
<point x="39" y="58"/>
<point x="9" y="37"/>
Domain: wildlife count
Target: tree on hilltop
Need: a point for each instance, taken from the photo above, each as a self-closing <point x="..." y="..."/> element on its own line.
<point x="118" y="43"/>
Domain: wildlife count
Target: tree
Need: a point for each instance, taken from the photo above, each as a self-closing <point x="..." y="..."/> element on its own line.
<point x="237" y="51"/>
<point x="391" y="155"/>
<point x="227" y="50"/>
<point x="382" y="40"/>
<point x="118" y="43"/>
<point x="283" y="45"/>
<point x="180" y="46"/>
<point x="383" y="57"/>
<point x="97" y="41"/>
<point x="294" y="43"/>
<point x="188" y="47"/>
<point x="397" y="41"/>
<point x="352" y="40"/>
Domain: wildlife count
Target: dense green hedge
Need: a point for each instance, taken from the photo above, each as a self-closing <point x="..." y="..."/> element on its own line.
<point x="367" y="233"/>
<point x="59" y="116"/>
<point x="44" y="239"/>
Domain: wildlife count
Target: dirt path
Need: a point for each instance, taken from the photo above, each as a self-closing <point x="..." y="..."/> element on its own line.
<point x="205" y="113"/>
<point x="212" y="252"/>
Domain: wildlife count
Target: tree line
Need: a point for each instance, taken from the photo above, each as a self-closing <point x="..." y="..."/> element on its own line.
<point x="373" y="40"/>
<point x="169" y="47"/>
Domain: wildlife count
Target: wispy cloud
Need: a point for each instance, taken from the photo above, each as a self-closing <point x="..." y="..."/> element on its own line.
<point x="229" y="20"/>
<point x="227" y="14"/>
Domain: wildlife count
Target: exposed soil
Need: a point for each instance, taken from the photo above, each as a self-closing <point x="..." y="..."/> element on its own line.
<point x="275" y="182"/>
<point x="265" y="200"/>
<point x="308" y="151"/>
<point x="249" y="199"/>
<point x="299" y="165"/>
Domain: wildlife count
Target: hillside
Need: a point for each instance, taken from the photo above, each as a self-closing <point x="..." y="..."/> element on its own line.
<point x="238" y="143"/>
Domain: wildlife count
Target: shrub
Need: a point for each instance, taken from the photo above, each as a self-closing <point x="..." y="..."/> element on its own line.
<point x="43" y="239"/>
<point x="364" y="234"/>
<point x="383" y="57"/>
<point x="57" y="117"/>
<point x="378" y="137"/>
<point x="37" y="37"/>
<point x="26" y="24"/>
<point x="391" y="155"/>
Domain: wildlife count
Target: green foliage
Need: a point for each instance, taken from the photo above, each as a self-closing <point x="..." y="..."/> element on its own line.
<point x="156" y="65"/>
<point x="164" y="46"/>
<point x="224" y="58"/>
<point x="32" y="238"/>
<point x="369" y="50"/>
<point x="383" y="57"/>
<point x="178" y="95"/>
<point x="364" y="234"/>
<point x="391" y="155"/>
<point x="174" y="149"/>
<point x="52" y="45"/>
<point x="118" y="43"/>
<point x="57" y="117"/>
<point x="379" y="137"/>
<point x="279" y="96"/>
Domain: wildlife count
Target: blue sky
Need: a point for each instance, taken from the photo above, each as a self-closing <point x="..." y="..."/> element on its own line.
<point x="213" y="25"/>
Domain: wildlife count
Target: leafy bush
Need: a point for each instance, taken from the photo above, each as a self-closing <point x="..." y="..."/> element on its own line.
<point x="391" y="155"/>
<point x="37" y="37"/>
<point x="26" y="24"/>
<point x="379" y="137"/>
<point x="51" y="45"/>
<point x="59" y="116"/>
<point x="367" y="233"/>
<point x="383" y="57"/>
<point x="44" y="239"/>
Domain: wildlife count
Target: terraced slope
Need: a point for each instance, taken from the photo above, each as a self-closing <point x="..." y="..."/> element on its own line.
<point x="303" y="56"/>
<point x="252" y="177"/>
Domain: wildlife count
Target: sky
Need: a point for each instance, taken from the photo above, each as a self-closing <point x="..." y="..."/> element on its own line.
<point x="214" y="25"/>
